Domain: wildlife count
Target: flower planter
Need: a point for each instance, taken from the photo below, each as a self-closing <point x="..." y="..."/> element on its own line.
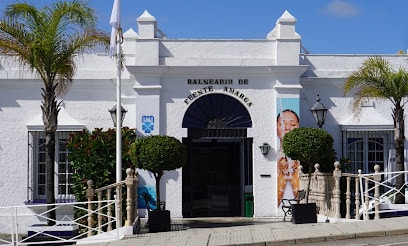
<point x="159" y="221"/>
<point x="304" y="213"/>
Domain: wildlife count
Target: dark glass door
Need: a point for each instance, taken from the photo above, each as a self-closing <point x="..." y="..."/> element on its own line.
<point x="212" y="180"/>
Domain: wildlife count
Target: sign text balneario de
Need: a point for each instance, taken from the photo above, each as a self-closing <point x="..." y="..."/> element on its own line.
<point x="216" y="81"/>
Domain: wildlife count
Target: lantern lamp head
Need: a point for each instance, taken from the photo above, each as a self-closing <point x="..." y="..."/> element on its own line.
<point x="265" y="147"/>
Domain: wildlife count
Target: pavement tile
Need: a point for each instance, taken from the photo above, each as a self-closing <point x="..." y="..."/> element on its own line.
<point x="198" y="240"/>
<point x="130" y="241"/>
<point x="263" y="235"/>
<point x="283" y="234"/>
<point x="220" y="238"/>
<point x="327" y="230"/>
<point x="241" y="237"/>
<point x="159" y="241"/>
<point x="351" y="228"/>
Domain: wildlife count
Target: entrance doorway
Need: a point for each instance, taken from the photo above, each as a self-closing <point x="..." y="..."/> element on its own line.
<point x="218" y="173"/>
<point x="212" y="180"/>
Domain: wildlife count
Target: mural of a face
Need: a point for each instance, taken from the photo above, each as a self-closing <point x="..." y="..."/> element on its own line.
<point x="286" y="121"/>
<point x="288" y="178"/>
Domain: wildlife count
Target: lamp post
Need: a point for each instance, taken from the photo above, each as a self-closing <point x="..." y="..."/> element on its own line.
<point x="319" y="112"/>
<point x="117" y="117"/>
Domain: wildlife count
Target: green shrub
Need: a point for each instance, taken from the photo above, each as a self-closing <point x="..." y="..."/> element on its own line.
<point x="310" y="146"/>
<point x="93" y="157"/>
<point x="157" y="154"/>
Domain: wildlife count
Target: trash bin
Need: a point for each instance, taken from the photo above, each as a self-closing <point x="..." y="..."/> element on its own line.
<point x="249" y="205"/>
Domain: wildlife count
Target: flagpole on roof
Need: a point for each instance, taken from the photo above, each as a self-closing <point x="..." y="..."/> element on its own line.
<point x="115" y="49"/>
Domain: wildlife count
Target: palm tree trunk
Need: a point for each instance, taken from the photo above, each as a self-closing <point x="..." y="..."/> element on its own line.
<point x="50" y="118"/>
<point x="399" y="138"/>
<point x="50" y="170"/>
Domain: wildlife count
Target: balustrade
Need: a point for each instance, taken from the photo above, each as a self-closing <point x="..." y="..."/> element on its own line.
<point x="364" y="189"/>
<point x="105" y="193"/>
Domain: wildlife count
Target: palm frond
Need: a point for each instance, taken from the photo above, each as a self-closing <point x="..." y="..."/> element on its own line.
<point x="375" y="79"/>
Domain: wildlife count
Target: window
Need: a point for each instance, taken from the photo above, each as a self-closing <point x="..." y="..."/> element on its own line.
<point x="63" y="169"/>
<point x="365" y="149"/>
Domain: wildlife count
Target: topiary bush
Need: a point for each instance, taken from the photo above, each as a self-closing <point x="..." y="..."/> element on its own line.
<point x="157" y="154"/>
<point x="310" y="146"/>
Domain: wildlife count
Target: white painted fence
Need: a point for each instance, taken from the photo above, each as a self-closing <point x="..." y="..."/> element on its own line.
<point x="23" y="229"/>
<point x="97" y="223"/>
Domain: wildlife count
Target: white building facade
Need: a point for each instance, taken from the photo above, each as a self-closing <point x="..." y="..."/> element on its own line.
<point x="219" y="97"/>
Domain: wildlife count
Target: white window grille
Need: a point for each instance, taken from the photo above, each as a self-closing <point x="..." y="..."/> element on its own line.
<point x="365" y="149"/>
<point x="63" y="168"/>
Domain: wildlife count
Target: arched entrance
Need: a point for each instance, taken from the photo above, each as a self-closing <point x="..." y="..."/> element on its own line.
<point x="219" y="169"/>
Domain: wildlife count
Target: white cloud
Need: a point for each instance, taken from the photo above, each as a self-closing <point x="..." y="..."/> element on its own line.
<point x="341" y="8"/>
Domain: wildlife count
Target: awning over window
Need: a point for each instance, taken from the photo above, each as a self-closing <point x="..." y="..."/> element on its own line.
<point x="368" y="119"/>
<point x="65" y="123"/>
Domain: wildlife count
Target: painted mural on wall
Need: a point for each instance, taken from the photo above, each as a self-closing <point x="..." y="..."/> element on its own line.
<point x="149" y="189"/>
<point x="288" y="170"/>
<point x="147" y="124"/>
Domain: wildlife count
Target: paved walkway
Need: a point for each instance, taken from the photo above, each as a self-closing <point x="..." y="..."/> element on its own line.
<point x="273" y="231"/>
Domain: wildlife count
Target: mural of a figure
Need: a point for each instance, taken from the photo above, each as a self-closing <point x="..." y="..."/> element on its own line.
<point x="288" y="170"/>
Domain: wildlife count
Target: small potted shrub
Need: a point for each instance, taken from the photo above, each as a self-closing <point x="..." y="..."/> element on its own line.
<point x="157" y="154"/>
<point x="309" y="146"/>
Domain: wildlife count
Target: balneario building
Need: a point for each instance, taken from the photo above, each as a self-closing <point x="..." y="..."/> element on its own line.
<point x="222" y="98"/>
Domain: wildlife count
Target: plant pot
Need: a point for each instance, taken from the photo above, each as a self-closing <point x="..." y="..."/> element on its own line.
<point x="159" y="221"/>
<point x="304" y="213"/>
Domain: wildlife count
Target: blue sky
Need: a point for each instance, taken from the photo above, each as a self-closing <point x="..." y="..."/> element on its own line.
<point x="326" y="26"/>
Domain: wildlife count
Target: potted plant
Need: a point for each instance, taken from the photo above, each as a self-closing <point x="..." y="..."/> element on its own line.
<point x="157" y="154"/>
<point x="309" y="146"/>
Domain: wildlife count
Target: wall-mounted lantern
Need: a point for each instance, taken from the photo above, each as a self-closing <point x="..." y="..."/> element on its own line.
<point x="265" y="147"/>
<point x="319" y="112"/>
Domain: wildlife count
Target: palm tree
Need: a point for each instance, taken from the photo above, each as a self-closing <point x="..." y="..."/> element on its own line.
<point x="376" y="79"/>
<point x="47" y="41"/>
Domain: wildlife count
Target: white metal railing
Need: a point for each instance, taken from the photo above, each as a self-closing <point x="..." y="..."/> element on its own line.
<point x="24" y="229"/>
<point x="24" y="224"/>
<point x="375" y="202"/>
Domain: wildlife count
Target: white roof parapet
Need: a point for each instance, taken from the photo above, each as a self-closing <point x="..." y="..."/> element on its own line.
<point x="284" y="28"/>
<point x="130" y="33"/>
<point x="146" y="16"/>
<point x="286" y="18"/>
<point x="147" y="25"/>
